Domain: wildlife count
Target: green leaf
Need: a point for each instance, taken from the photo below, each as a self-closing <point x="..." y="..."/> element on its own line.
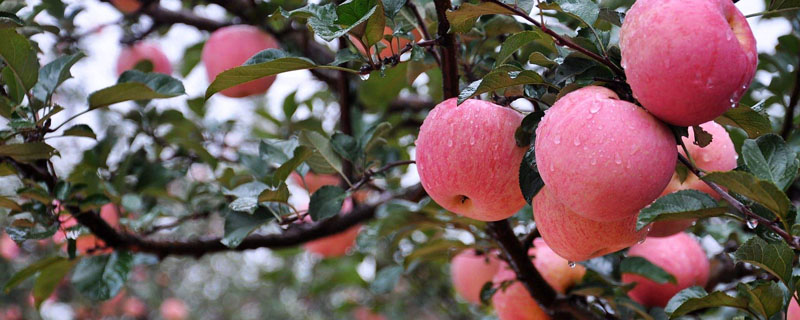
<point x="136" y="85"/>
<point x="749" y="120"/>
<point x="10" y="20"/>
<point x="326" y="202"/>
<point x="380" y="89"/>
<point x="764" y="298"/>
<point x="25" y="152"/>
<point x="684" y="204"/>
<point x="374" y="136"/>
<point x="373" y="32"/>
<point x="764" y="192"/>
<point x="264" y="64"/>
<point x="462" y="19"/>
<point x="20" y="57"/>
<point x="346" y="146"/>
<point x="530" y="182"/>
<point x="9" y="204"/>
<point x="324" y="160"/>
<point x="29" y="271"/>
<point x="487" y="291"/>
<point x="53" y="74"/>
<point x="101" y="277"/>
<point x="500" y="79"/>
<point x="246" y="196"/>
<point x="783" y="4"/>
<point x="277" y="194"/>
<point x="80" y="130"/>
<point x="584" y="10"/>
<point x="386" y="279"/>
<point x="643" y="267"/>
<point x="540" y="59"/>
<point x="239" y="225"/>
<point x="392" y="7"/>
<point x="774" y="257"/>
<point x="770" y="159"/>
<point x="526" y="132"/>
<point x="301" y="153"/>
<point x="191" y="57"/>
<point x="517" y="41"/>
<point x="696" y="298"/>
<point x="49" y="278"/>
<point x="325" y="20"/>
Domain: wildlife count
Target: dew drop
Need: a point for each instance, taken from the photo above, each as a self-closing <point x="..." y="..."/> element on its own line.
<point x="449" y="142"/>
<point x="364" y="76"/>
<point x="594" y="161"/>
<point x="594" y="108"/>
<point x="709" y="83"/>
<point x="471" y="140"/>
<point x="557" y="139"/>
<point x="571" y="264"/>
<point x="552" y="168"/>
<point x="752" y="223"/>
<point x="728" y="35"/>
<point x="577" y="141"/>
<point x="617" y="158"/>
<point x="642" y="240"/>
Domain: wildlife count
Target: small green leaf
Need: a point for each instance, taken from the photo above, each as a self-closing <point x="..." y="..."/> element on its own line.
<point x="20" y="57"/>
<point x="101" y="277"/>
<point x="326" y="202"/>
<point x="764" y="192"/>
<point x="764" y="298"/>
<point x="373" y="32"/>
<point x="49" y="278"/>
<point x="26" y="152"/>
<point x="499" y="79"/>
<point x="393" y="7"/>
<point x="684" y="204"/>
<point x="770" y="159"/>
<point x="462" y="19"/>
<point x="517" y="41"/>
<point x="643" y="267"/>
<point x="696" y="298"/>
<point x="136" y="85"/>
<point x="346" y="146"/>
<point x="239" y="225"/>
<point x="191" y="57"/>
<point x="301" y="153"/>
<point x="749" y="120"/>
<point x="80" y="130"/>
<point x="53" y="74"/>
<point x="487" y="291"/>
<point x="584" y="10"/>
<point x="324" y="160"/>
<point x="774" y="257"/>
<point x="277" y="194"/>
<point x="526" y="132"/>
<point x="264" y="64"/>
<point x="530" y="182"/>
<point x="10" y="20"/>
<point x="246" y="196"/>
<point x="386" y="279"/>
<point x="29" y="271"/>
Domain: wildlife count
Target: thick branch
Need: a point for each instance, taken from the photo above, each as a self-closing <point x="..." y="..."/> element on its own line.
<point x="788" y="121"/>
<point x="164" y="16"/>
<point x="449" y="50"/>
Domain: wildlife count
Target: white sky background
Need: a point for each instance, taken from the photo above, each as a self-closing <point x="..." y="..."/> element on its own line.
<point x="97" y="71"/>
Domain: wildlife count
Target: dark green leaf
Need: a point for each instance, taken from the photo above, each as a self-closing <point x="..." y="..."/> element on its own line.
<point x="774" y="257"/>
<point x="80" y="130"/>
<point x="277" y="194"/>
<point x="696" y="298"/>
<point x="643" y="267"/>
<point x="770" y="159"/>
<point x="290" y="105"/>
<point x="525" y="133"/>
<point x="765" y="298"/>
<point x="136" y="85"/>
<point x="10" y="20"/>
<point x="393" y="7"/>
<point x="583" y="10"/>
<point x="346" y="146"/>
<point x="462" y="19"/>
<point x="373" y="32"/>
<point x="28" y="151"/>
<point x="101" y="277"/>
<point x="239" y="225"/>
<point x="29" y="271"/>
<point x="386" y="279"/>
<point x="487" y="291"/>
<point x="517" y="41"/>
<point x="49" y="278"/>
<point x="744" y="117"/>
<point x="324" y="160"/>
<point x="191" y="57"/>
<point x="301" y="153"/>
<point x="20" y="57"/>
<point x="764" y="192"/>
<point x="530" y="182"/>
<point x="326" y="202"/>
<point x="53" y="74"/>
<point x="500" y="79"/>
<point x="684" y="204"/>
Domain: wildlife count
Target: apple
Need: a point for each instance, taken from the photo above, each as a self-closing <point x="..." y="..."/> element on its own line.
<point x="312" y="181"/>
<point x="132" y="55"/>
<point x="683" y="74"/>
<point x="794" y="310"/>
<point x="134" y="307"/>
<point x="553" y="268"/>
<point x="680" y="255"/>
<point x="394" y="47"/>
<point x="127" y="6"/>
<point x="603" y="157"/>
<point x="231" y="47"/>
<point x="363" y="313"/>
<point x="335" y="245"/>
<point x="469" y="271"/>
<point x="8" y="248"/>
<point x="468" y="160"/>
<point x="514" y="302"/>
<point x="576" y="238"/>
<point x="719" y="155"/>
<point x="174" y="309"/>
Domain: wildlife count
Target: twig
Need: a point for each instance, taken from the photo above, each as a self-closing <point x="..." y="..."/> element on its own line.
<point x="370" y="173"/>
<point x="788" y="122"/>
<point x="178" y="222"/>
<point x="449" y="49"/>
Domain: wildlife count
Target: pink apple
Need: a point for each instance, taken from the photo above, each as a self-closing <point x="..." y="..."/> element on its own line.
<point x="683" y="74"/>
<point x="174" y="309"/>
<point x="312" y="181"/>
<point x="232" y="46"/>
<point x="134" y="307"/>
<point x="130" y="56"/>
<point x="719" y="155"/>
<point x="337" y="244"/>
<point x="576" y="238"/>
<point x="127" y="6"/>
<point x="363" y="313"/>
<point x="680" y="255"/>
<point x="8" y="248"/>
<point x="603" y="157"/>
<point x="553" y="268"/>
<point x="514" y="302"/>
<point x="794" y="311"/>
<point x="469" y="271"/>
<point x="468" y="160"/>
<point x="394" y="47"/>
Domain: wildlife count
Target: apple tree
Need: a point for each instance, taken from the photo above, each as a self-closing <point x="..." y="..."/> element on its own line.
<point x="395" y="159"/>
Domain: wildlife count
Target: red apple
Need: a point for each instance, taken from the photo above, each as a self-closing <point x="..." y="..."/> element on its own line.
<point x="335" y="245"/>
<point x="232" y="46"/>
<point x="394" y="47"/>
<point x="680" y="255"/>
<point x="469" y="271"/>
<point x="174" y="309"/>
<point x="591" y="147"/>
<point x="130" y="56"/>
<point x="363" y="313"/>
<point x="127" y="6"/>
<point x="555" y="269"/>
<point x="514" y="302"/>
<point x="8" y="248"/>
<point x="468" y="160"/>
<point x="682" y="73"/>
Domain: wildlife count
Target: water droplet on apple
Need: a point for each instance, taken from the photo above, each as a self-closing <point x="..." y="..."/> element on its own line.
<point x="557" y="139"/>
<point x="706" y="157"/>
<point x="471" y="140"/>
<point x="577" y="141"/>
<point x="594" y="161"/>
<point x="752" y="223"/>
<point x="552" y="168"/>
<point x="709" y="83"/>
<point x="594" y="108"/>
<point x="728" y="35"/>
<point x="617" y="158"/>
<point x="449" y="142"/>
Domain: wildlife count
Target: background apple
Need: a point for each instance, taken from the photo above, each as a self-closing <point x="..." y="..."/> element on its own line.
<point x="231" y="47"/>
<point x="576" y="238"/>
<point x="555" y="269"/>
<point x="592" y="147"/>
<point x="174" y="309"/>
<point x="312" y="181"/>
<point x="8" y="248"/>
<point x="469" y="271"/>
<point x="514" y="302"/>
<point x="132" y="55"/>
<point x="794" y="310"/>
<point x="682" y="74"/>
<point x="394" y="47"/>
<point x="468" y="160"/>
<point x="127" y="6"/>
<point x="680" y="255"/>
<point x="363" y="313"/>
<point x="335" y="245"/>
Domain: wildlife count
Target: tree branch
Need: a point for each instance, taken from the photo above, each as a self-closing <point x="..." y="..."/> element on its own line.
<point x="449" y="49"/>
<point x="788" y="121"/>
